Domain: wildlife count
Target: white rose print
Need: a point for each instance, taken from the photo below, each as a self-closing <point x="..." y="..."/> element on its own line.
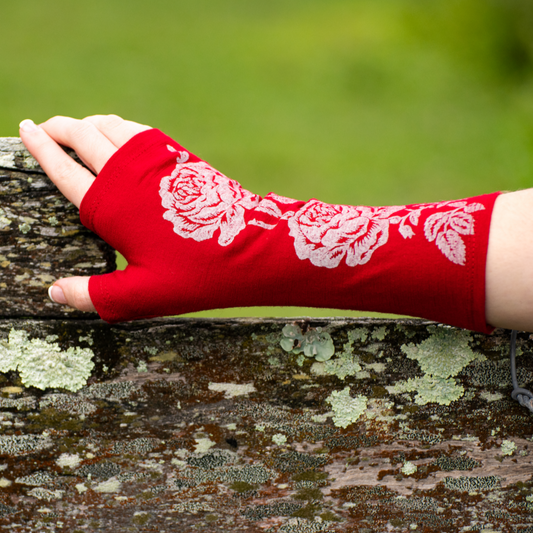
<point x="199" y="201"/>
<point x="325" y="234"/>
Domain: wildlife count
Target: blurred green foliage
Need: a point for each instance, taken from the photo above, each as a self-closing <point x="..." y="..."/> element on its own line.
<point x="350" y="101"/>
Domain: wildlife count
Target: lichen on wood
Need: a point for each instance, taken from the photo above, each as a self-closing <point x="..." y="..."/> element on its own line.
<point x="225" y="431"/>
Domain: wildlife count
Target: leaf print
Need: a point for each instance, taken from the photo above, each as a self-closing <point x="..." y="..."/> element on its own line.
<point x="269" y="207"/>
<point x="445" y="228"/>
<point x="414" y="217"/>
<point x="434" y="224"/>
<point x="462" y="223"/>
<point x="183" y="157"/>
<point x="452" y="246"/>
<point x="472" y="208"/>
<point x="261" y="224"/>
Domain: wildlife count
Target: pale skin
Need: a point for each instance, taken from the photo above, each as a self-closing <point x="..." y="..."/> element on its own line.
<point x="509" y="270"/>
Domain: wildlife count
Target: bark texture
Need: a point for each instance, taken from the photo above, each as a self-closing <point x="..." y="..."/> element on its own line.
<point x="212" y="424"/>
<point x="41" y="238"/>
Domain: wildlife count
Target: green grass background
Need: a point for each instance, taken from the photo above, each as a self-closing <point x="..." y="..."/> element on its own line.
<point x="350" y="101"/>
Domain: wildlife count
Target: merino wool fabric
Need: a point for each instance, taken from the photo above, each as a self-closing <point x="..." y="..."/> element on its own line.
<point x="196" y="240"/>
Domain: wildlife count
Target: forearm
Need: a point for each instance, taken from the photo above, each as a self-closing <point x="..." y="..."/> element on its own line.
<point x="509" y="274"/>
<point x="196" y="240"/>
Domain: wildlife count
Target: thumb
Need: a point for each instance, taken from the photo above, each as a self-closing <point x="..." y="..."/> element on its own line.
<point x="72" y="291"/>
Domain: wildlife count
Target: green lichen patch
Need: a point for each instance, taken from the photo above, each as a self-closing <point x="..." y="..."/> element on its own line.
<point x="313" y="343"/>
<point x="346" y="410"/>
<point x="491" y="397"/>
<point x="429" y="390"/>
<point x="24" y="228"/>
<point x="444" y="354"/>
<point x="343" y="366"/>
<point x="441" y="357"/>
<point x="142" y="367"/>
<point x="508" y="447"/>
<point x="379" y="333"/>
<point x="279" y="439"/>
<point x="68" y="460"/>
<point x="346" y="363"/>
<point x="409" y="468"/>
<point x="44" y="364"/>
<point x="203" y="445"/>
<point x="108" y="486"/>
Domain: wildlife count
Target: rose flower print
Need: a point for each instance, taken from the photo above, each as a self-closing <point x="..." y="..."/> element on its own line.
<point x="325" y="234"/>
<point x="199" y="200"/>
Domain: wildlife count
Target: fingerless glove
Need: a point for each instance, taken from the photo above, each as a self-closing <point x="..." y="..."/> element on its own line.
<point x="196" y="240"/>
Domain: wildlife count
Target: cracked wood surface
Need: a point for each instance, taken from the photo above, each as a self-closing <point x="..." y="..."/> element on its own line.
<point x="41" y="238"/>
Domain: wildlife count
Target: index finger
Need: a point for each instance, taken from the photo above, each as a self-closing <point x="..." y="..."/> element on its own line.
<point x="71" y="178"/>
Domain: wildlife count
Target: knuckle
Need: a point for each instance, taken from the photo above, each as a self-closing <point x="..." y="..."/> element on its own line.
<point x="63" y="169"/>
<point x="112" y="121"/>
<point x="81" y="130"/>
<point x="55" y="121"/>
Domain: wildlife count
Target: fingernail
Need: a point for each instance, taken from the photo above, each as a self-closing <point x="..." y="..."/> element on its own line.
<point x="28" y="125"/>
<point x="57" y="295"/>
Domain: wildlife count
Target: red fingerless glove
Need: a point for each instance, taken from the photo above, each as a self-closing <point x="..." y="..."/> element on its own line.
<point x="196" y="240"/>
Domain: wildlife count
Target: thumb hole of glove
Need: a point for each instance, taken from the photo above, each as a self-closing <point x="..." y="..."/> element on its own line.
<point x="73" y="292"/>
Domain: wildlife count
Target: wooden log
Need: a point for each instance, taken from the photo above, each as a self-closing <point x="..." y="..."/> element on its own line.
<point x="212" y="424"/>
<point x="41" y="238"/>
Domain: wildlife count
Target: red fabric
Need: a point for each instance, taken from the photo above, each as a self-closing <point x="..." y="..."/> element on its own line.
<point x="196" y="240"/>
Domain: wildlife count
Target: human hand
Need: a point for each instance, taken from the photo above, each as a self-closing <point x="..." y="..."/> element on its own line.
<point x="95" y="139"/>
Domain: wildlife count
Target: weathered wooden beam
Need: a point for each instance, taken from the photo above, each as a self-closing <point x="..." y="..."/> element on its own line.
<point x="41" y="238"/>
<point x="213" y="425"/>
